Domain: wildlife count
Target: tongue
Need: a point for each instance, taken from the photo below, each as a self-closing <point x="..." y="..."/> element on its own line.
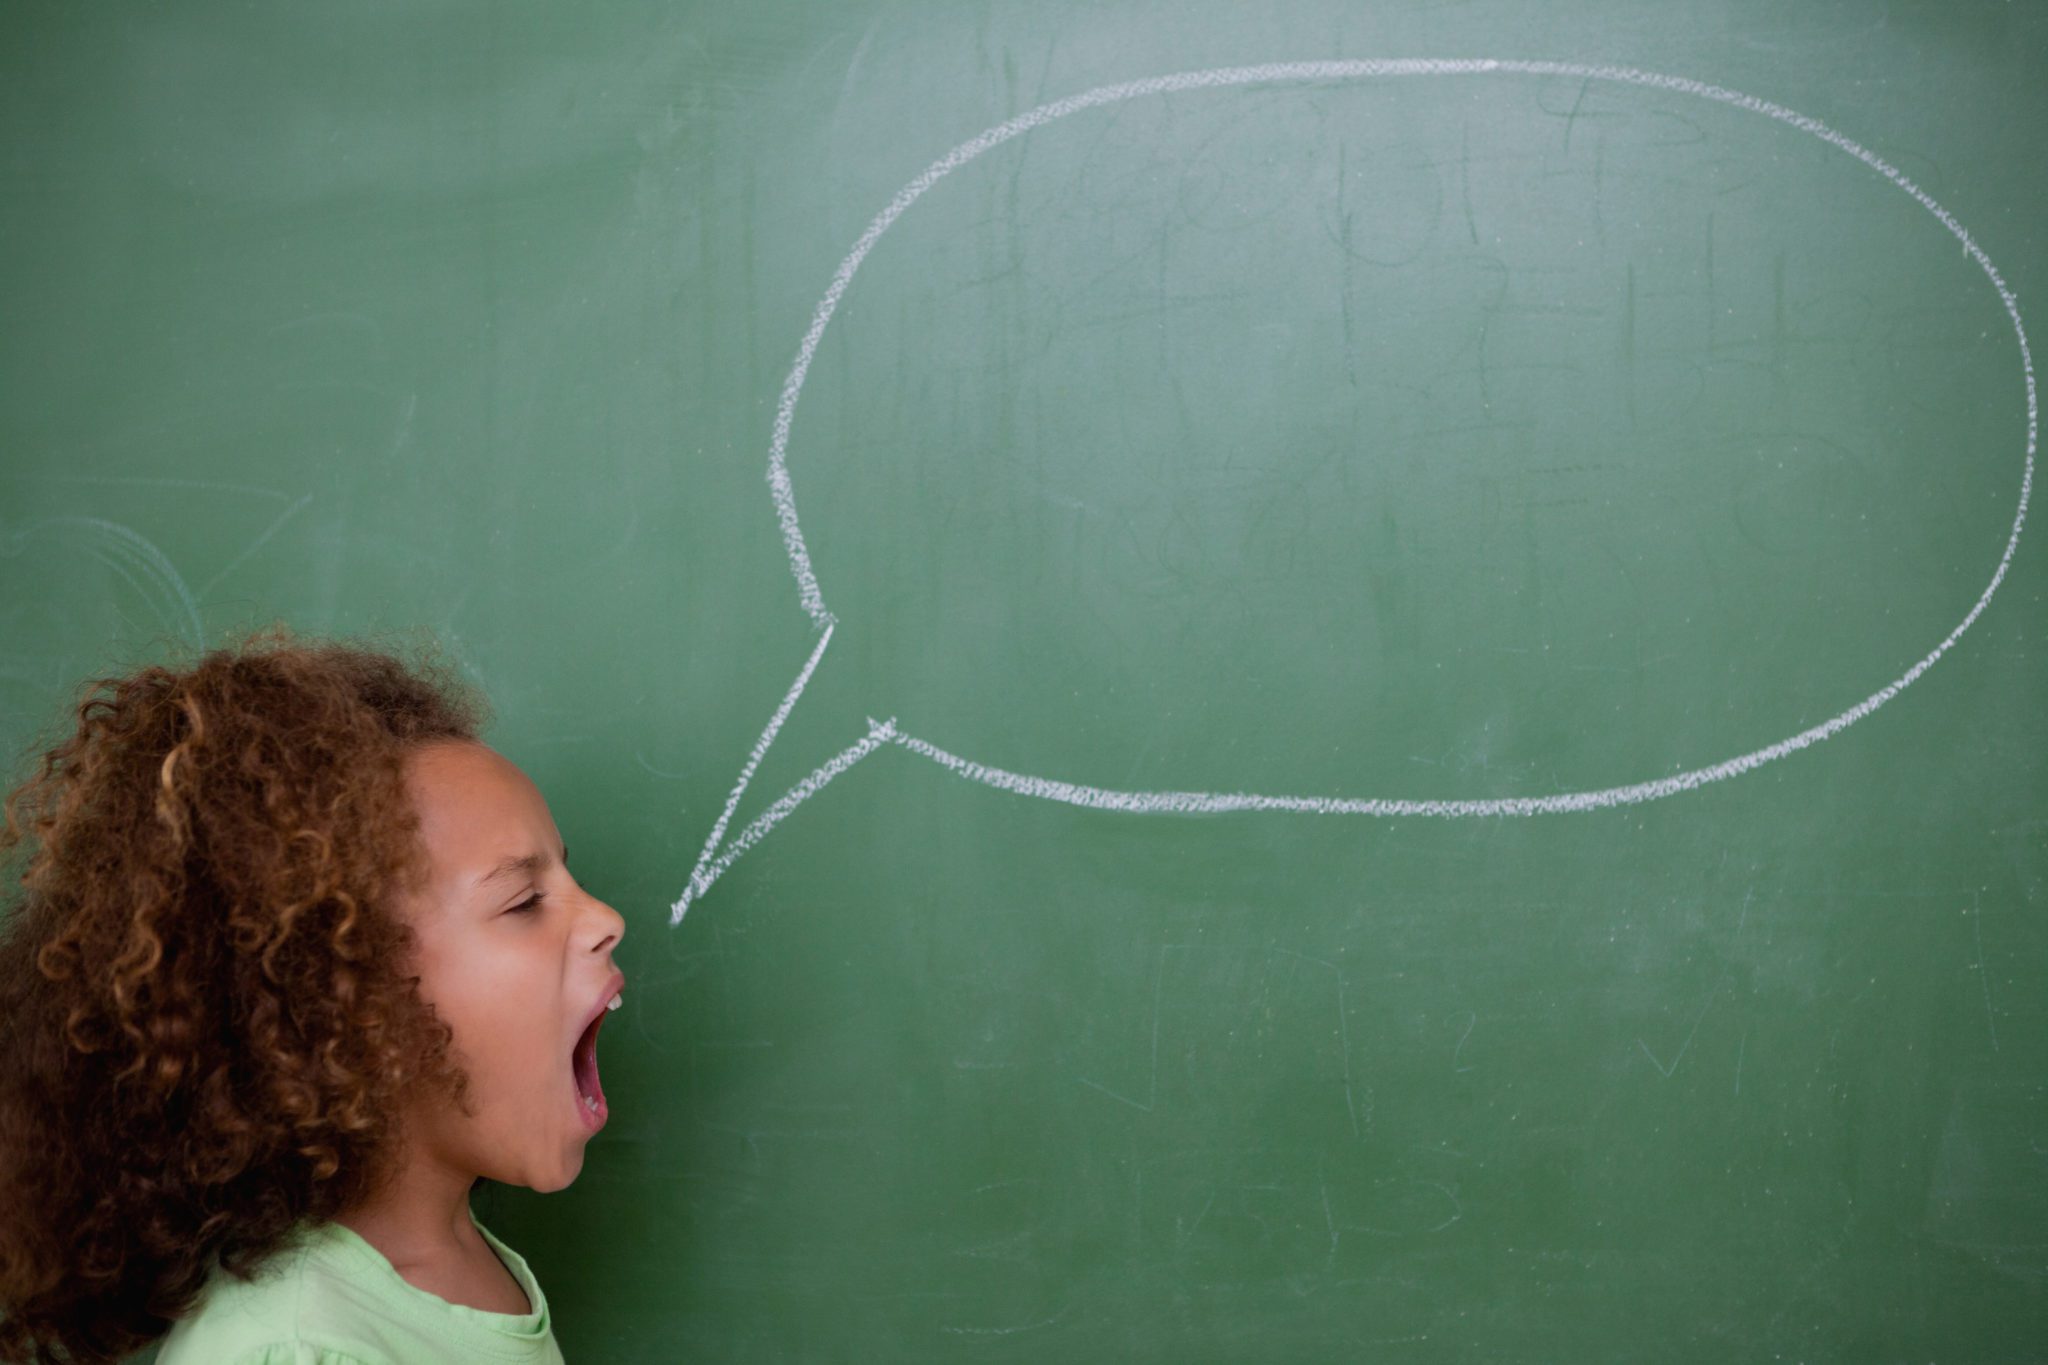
<point x="585" y="1062"/>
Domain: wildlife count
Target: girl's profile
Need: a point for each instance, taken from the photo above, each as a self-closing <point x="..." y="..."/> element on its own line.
<point x="290" y="960"/>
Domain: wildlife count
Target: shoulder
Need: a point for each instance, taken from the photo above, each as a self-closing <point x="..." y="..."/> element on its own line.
<point x="301" y="1307"/>
<point x="330" y="1298"/>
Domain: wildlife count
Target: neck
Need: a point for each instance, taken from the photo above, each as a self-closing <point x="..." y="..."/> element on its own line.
<point x="419" y="1214"/>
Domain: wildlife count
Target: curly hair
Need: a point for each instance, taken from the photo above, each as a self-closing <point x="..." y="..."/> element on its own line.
<point x="209" y="1025"/>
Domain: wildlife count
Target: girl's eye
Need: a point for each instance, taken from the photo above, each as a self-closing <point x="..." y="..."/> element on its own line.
<point x="531" y="902"/>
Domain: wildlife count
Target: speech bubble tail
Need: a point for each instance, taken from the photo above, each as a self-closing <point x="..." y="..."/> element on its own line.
<point x="718" y="855"/>
<point x="699" y="881"/>
<point x="714" y="863"/>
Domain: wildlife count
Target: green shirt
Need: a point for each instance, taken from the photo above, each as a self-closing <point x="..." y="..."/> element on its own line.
<point x="330" y="1298"/>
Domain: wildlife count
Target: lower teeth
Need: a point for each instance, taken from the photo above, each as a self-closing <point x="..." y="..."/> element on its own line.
<point x="590" y="1103"/>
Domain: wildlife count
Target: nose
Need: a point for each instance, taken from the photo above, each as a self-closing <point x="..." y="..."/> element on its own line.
<point x="606" y="926"/>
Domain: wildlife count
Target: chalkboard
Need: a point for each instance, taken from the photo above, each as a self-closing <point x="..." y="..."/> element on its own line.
<point x="1289" y="684"/>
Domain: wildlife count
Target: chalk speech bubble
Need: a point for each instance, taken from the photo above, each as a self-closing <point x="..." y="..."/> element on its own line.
<point x="719" y="853"/>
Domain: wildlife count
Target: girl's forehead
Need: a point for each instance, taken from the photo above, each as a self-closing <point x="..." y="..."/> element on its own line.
<point x="476" y="807"/>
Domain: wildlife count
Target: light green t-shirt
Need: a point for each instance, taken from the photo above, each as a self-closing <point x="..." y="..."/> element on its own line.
<point x="330" y="1298"/>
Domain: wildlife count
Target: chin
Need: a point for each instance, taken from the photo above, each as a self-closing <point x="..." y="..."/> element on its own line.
<point x="563" y="1178"/>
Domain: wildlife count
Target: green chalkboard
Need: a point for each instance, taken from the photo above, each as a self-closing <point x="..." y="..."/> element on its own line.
<point x="1405" y="631"/>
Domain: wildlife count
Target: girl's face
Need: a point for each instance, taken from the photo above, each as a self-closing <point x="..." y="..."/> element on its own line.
<point x="517" y="961"/>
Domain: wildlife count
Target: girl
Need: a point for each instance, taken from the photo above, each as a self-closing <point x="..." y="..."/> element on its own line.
<point x="295" y="961"/>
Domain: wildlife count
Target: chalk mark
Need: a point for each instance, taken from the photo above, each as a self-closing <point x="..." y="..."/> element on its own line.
<point x="699" y="879"/>
<point x="645" y="766"/>
<point x="1152" y="1084"/>
<point x="126" y="548"/>
<point x="1983" y="967"/>
<point x="1471" y="1023"/>
<point x="1192" y="1228"/>
<point x="1007" y="1331"/>
<point x="1343" y="1034"/>
<point x="164" y="481"/>
<point x="1748" y="896"/>
<point x="1687" y="1044"/>
<point x="879" y="732"/>
<point x="713" y="863"/>
<point x="253" y="546"/>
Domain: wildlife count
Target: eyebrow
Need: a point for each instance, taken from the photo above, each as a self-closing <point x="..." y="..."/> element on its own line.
<point x="527" y="863"/>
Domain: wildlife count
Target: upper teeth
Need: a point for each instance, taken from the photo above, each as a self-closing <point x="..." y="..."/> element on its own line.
<point x="617" y="1000"/>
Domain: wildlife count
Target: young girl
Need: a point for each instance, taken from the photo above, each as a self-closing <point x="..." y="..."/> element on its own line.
<point x="294" y="962"/>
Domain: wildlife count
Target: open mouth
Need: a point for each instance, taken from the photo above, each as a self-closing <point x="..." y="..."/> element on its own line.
<point x="583" y="1063"/>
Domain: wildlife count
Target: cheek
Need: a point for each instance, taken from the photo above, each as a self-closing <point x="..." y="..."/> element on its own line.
<point x="497" y="1006"/>
<point x="492" y="1001"/>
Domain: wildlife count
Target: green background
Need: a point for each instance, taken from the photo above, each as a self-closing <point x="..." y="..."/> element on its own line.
<point x="1463" y="437"/>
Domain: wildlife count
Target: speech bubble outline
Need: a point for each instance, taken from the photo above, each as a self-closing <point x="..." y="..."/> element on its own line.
<point x="718" y="855"/>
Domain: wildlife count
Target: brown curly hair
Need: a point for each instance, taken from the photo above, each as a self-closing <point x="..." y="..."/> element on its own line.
<point x="206" y="1022"/>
